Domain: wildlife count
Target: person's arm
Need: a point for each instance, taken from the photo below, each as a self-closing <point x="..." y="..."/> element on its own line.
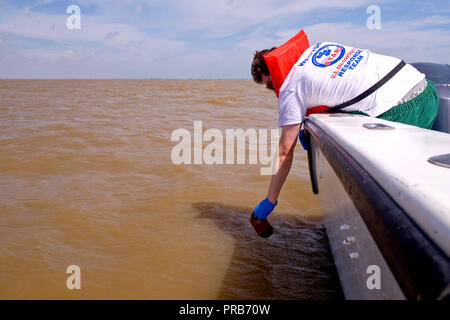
<point x="288" y="140"/>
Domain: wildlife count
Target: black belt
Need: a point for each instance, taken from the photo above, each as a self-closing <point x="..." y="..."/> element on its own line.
<point x="369" y="91"/>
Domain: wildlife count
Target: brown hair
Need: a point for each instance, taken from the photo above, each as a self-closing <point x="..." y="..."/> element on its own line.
<point x="259" y="65"/>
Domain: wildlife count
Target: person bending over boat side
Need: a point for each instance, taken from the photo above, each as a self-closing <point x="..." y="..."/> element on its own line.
<point x="330" y="74"/>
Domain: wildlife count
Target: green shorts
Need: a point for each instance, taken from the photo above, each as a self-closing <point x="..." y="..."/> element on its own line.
<point x="419" y="111"/>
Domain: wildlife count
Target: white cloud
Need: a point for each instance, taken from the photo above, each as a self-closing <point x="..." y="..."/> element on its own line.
<point x="222" y="18"/>
<point x="106" y="48"/>
<point x="98" y="49"/>
<point x="409" y="40"/>
<point x="53" y="27"/>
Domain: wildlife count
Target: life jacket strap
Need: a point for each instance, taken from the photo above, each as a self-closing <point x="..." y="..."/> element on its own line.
<point x="365" y="94"/>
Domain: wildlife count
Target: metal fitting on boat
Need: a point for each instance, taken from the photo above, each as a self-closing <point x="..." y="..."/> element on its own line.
<point x="442" y="160"/>
<point x="377" y="126"/>
<point x="349" y="240"/>
<point x="353" y="255"/>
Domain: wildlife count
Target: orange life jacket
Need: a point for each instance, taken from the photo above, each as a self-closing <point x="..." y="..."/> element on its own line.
<point x="281" y="60"/>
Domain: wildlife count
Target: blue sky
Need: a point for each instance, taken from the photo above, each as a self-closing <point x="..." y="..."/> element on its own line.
<point x="200" y="38"/>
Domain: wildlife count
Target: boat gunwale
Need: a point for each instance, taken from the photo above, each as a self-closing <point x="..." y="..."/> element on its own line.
<point x="419" y="265"/>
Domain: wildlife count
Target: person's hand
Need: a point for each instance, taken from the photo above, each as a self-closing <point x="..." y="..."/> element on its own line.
<point x="264" y="208"/>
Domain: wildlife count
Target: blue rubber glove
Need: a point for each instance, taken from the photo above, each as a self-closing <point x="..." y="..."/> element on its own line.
<point x="264" y="208"/>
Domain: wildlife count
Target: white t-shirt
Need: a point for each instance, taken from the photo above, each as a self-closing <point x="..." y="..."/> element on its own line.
<point x="330" y="74"/>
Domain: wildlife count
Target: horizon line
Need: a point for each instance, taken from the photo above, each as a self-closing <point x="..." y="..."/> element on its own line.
<point x="125" y="78"/>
